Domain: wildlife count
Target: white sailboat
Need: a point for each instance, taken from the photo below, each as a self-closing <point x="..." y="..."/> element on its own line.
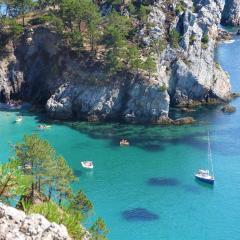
<point x="205" y="175"/>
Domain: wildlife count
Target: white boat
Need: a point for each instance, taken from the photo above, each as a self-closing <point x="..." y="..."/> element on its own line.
<point x="124" y="142"/>
<point x="42" y="127"/>
<point x="19" y="119"/>
<point x="87" y="164"/>
<point x="229" y="41"/>
<point x="204" y="175"/>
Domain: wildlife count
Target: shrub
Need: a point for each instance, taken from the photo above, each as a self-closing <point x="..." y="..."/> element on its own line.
<point x="174" y="38"/>
<point x="192" y="39"/>
<point x="180" y="7"/>
<point x="205" y="39"/>
<point x="54" y="213"/>
<point x="163" y="88"/>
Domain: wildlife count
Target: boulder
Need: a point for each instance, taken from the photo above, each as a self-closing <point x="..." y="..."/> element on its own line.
<point x="184" y="120"/>
<point x="228" y="109"/>
<point x="16" y="225"/>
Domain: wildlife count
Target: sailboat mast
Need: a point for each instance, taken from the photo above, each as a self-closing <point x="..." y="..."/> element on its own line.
<point x="210" y="153"/>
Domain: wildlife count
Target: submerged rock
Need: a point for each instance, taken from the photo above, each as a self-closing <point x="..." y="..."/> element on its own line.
<point x="184" y="120"/>
<point x="229" y="109"/>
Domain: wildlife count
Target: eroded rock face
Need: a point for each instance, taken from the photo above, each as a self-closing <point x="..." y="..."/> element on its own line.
<point x="231" y="13"/>
<point x="37" y="70"/>
<point x="193" y="75"/>
<point x="16" y="225"/>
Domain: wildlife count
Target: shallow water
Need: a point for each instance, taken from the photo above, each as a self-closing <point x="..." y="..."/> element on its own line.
<point x="147" y="191"/>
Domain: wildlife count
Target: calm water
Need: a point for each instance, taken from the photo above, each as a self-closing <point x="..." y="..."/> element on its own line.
<point x="147" y="191"/>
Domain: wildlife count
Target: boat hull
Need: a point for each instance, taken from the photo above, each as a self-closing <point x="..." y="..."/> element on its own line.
<point x="206" y="180"/>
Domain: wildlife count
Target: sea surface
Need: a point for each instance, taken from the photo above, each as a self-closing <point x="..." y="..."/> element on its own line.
<point x="147" y="191"/>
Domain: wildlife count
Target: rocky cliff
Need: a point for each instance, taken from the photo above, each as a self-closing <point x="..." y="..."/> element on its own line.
<point x="16" y="225"/>
<point x="36" y="69"/>
<point x="231" y="13"/>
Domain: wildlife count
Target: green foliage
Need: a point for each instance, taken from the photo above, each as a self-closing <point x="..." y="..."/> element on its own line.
<point x="60" y="216"/>
<point x="117" y="29"/>
<point x="192" y="39"/>
<point x="73" y="39"/>
<point x="13" y="182"/>
<point x="205" y="39"/>
<point x="174" y="38"/>
<point x="134" y="58"/>
<point x="143" y="13"/>
<point x="180" y="7"/>
<point x="80" y="203"/>
<point x="150" y="65"/>
<point x="38" y="169"/>
<point x="98" y="230"/>
<point x="163" y="87"/>
<point x="49" y="171"/>
<point x="158" y="46"/>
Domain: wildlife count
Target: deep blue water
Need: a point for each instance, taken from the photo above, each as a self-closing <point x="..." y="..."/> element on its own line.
<point x="147" y="191"/>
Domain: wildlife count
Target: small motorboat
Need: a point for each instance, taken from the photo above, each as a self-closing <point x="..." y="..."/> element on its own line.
<point x="42" y="127"/>
<point x="87" y="164"/>
<point x="19" y="119"/>
<point x="204" y="176"/>
<point x="124" y="142"/>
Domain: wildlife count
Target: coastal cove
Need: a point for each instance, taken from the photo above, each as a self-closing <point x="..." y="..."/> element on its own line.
<point x="147" y="191"/>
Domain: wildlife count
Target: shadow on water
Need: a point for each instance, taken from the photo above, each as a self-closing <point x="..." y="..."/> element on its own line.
<point x="149" y="138"/>
<point x="191" y="189"/>
<point x="161" y="181"/>
<point x="203" y="184"/>
<point x="139" y="214"/>
<point x="78" y="173"/>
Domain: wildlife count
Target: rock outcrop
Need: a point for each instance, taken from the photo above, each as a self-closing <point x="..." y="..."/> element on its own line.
<point x="37" y="70"/>
<point x="229" y="109"/>
<point x="16" y="225"/>
<point x="231" y="13"/>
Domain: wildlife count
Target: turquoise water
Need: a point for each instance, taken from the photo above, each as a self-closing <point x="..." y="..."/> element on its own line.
<point x="147" y="191"/>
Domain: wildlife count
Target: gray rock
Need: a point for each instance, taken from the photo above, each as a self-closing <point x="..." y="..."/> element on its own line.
<point x="229" y="109"/>
<point x="16" y="225"/>
<point x="231" y="13"/>
<point x="71" y="90"/>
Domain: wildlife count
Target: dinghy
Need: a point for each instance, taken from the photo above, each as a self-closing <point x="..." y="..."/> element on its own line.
<point x="205" y="175"/>
<point x="87" y="164"/>
<point x="19" y="119"/>
<point x="124" y="142"/>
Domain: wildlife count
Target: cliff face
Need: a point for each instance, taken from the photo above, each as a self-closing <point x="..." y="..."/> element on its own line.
<point x="231" y="13"/>
<point x="16" y="225"/>
<point x="37" y="70"/>
<point x="193" y="74"/>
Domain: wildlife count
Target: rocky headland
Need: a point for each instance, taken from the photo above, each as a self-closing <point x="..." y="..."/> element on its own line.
<point x="36" y="69"/>
<point x="231" y="13"/>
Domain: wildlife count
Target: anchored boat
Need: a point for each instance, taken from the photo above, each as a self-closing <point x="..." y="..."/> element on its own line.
<point x="19" y="119"/>
<point x="87" y="164"/>
<point x="205" y="175"/>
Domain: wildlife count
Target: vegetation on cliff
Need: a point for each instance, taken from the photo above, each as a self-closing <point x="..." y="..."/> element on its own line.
<point x="107" y="33"/>
<point x="37" y="178"/>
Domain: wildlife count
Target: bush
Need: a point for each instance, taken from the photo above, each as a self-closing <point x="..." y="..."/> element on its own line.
<point x="54" y="213"/>
<point x="37" y="21"/>
<point x="192" y="39"/>
<point x="205" y="39"/>
<point x="180" y="7"/>
<point x="163" y="88"/>
<point x="174" y="38"/>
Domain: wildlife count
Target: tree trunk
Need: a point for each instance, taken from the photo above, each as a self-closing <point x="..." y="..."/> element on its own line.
<point x="60" y="200"/>
<point x="50" y="193"/>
